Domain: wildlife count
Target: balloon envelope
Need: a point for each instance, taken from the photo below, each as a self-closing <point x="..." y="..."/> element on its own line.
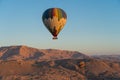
<point x="54" y="19"/>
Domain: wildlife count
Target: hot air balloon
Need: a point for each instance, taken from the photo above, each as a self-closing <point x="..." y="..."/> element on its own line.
<point x="54" y="19"/>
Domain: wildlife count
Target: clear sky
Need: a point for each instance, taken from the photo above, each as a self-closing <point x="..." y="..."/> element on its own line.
<point x="93" y="26"/>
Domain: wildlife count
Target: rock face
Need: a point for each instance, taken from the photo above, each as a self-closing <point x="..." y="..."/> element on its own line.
<point x="26" y="63"/>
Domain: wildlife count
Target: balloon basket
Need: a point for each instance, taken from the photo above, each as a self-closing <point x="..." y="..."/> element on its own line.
<point x="54" y="38"/>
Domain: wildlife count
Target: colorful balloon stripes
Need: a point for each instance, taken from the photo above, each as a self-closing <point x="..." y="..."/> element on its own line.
<point x="54" y="19"/>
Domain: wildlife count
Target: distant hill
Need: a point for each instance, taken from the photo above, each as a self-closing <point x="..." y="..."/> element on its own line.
<point x="29" y="53"/>
<point x="108" y="57"/>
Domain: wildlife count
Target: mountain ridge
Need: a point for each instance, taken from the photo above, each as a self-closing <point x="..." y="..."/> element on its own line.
<point x="26" y="53"/>
<point x="114" y="57"/>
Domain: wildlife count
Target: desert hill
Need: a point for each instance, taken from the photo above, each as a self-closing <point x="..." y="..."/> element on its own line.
<point x="27" y="63"/>
<point x="29" y="53"/>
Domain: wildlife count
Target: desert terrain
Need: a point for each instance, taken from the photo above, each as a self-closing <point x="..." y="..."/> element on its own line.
<point x="27" y="63"/>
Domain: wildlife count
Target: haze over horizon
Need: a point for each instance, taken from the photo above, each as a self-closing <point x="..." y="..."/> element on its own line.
<point x="93" y="27"/>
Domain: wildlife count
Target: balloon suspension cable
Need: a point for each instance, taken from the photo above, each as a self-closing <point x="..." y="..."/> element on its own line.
<point x="54" y="38"/>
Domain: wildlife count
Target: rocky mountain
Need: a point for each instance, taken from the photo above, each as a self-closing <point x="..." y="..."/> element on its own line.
<point x="29" y="53"/>
<point x="27" y="63"/>
<point x="97" y="69"/>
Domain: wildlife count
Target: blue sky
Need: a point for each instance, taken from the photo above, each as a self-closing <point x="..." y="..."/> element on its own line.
<point x="93" y="26"/>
